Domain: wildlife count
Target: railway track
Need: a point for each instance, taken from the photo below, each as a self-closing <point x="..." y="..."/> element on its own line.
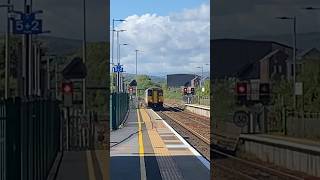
<point x="189" y="130"/>
<point x="233" y="167"/>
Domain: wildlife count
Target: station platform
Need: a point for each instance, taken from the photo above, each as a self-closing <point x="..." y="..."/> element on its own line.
<point x="148" y="148"/>
<point x="303" y="145"/>
<point x="199" y="109"/>
<point x="296" y="154"/>
<point x="199" y="106"/>
<point x="83" y="165"/>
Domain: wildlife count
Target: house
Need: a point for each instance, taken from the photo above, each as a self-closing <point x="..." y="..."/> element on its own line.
<point x="178" y="80"/>
<point x="249" y="59"/>
<point x="195" y="82"/>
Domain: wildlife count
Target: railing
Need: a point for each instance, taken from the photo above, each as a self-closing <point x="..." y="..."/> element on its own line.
<point x="119" y="106"/>
<point x="3" y="119"/>
<point x="197" y="100"/>
<point x="78" y="129"/>
<point x="302" y="124"/>
<point x="30" y="129"/>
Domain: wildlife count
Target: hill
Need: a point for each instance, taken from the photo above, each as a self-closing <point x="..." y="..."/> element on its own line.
<point x="304" y="40"/>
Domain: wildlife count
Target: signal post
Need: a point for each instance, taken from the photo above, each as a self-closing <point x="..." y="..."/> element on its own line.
<point x="254" y="98"/>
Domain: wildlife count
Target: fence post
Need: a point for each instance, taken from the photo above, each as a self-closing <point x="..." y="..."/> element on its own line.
<point x="285" y="121"/>
<point x="13" y="168"/>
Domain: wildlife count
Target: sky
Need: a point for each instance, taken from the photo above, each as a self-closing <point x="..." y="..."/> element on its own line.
<point x="246" y="18"/>
<point x="64" y="18"/>
<point x="174" y="36"/>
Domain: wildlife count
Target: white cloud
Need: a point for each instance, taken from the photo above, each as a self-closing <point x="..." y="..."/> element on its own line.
<point x="176" y="43"/>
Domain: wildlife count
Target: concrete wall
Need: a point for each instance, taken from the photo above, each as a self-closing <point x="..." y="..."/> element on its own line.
<point x="304" y="127"/>
<point x="198" y="109"/>
<point x="304" y="158"/>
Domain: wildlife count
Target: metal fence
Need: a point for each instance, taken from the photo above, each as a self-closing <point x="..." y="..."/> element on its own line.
<point x="78" y="132"/>
<point x="119" y="106"/>
<point x="197" y="100"/>
<point x="30" y="138"/>
<point x="302" y="124"/>
<point x="2" y="140"/>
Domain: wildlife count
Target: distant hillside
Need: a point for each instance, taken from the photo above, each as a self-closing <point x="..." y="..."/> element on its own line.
<point x="157" y="79"/>
<point x="304" y="40"/>
<point x="61" y="46"/>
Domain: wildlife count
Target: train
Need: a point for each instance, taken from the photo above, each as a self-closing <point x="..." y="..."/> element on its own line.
<point x="154" y="98"/>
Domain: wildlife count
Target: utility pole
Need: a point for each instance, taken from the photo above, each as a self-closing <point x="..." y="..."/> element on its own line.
<point x="30" y="67"/>
<point x="84" y="56"/>
<point x="112" y="42"/>
<point x="25" y="57"/>
<point x="48" y="76"/>
<point x="294" y="19"/>
<point x="118" y="73"/>
<point x="7" y="54"/>
<point x="56" y="78"/>
<point x="137" y="74"/>
<point x="118" y="60"/>
<point x="294" y="60"/>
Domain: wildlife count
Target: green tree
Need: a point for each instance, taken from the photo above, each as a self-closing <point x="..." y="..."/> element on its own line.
<point x="144" y="82"/>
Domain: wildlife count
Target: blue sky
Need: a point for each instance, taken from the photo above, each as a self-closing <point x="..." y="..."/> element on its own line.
<point x="125" y="8"/>
<point x="174" y="35"/>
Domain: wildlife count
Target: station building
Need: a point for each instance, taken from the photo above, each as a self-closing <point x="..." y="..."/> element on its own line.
<point x="178" y="80"/>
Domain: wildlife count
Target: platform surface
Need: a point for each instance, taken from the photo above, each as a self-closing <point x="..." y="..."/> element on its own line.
<point x="199" y="106"/>
<point x="84" y="165"/>
<point x="297" y="143"/>
<point x="148" y="148"/>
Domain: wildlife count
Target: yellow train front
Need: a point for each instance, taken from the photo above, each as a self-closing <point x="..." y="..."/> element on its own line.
<point x="154" y="98"/>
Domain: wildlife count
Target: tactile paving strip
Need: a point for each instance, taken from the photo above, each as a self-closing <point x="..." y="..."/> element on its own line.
<point x="167" y="166"/>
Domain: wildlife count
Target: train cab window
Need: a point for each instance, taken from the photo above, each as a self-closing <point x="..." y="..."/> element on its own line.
<point x="160" y="93"/>
<point x="149" y="92"/>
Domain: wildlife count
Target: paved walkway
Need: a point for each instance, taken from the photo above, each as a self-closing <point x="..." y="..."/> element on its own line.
<point x="148" y="148"/>
<point x="84" y="165"/>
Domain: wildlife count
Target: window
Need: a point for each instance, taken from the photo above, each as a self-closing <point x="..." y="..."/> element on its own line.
<point x="279" y="69"/>
<point x="274" y="69"/>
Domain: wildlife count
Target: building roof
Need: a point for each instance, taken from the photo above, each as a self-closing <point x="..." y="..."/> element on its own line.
<point x="178" y="80"/>
<point x="309" y="52"/>
<point x="233" y="57"/>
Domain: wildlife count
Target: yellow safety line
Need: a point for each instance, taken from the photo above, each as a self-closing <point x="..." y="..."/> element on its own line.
<point x="92" y="176"/>
<point x="141" y="147"/>
<point x="103" y="163"/>
<point x="141" y="150"/>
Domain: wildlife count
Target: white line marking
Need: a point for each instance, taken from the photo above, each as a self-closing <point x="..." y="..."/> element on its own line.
<point x="177" y="146"/>
<point x="204" y="161"/>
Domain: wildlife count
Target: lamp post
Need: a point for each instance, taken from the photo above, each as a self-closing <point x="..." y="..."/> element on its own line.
<point x="294" y="55"/>
<point x="137" y="73"/>
<point x="118" y="58"/>
<point x="9" y="7"/>
<point x="201" y="67"/>
<point x="125" y="44"/>
<point x="84" y="49"/>
<point x="114" y="20"/>
<point x="120" y="75"/>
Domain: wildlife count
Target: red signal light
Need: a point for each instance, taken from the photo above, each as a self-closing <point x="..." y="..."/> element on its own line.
<point x="241" y="88"/>
<point x="67" y="87"/>
<point x="185" y="91"/>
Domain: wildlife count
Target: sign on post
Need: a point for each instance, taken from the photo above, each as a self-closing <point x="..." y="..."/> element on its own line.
<point x="117" y="68"/>
<point x="27" y="24"/>
<point x="241" y="118"/>
<point x="299" y="88"/>
<point x="67" y="90"/>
